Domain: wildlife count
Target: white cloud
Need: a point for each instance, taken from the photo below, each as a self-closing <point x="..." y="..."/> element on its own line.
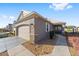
<point x="4" y="16"/>
<point x="5" y="19"/>
<point x="11" y="17"/>
<point x="60" y="6"/>
<point x="50" y="6"/>
<point x="68" y="7"/>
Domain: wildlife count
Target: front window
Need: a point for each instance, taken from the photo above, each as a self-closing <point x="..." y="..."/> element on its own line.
<point x="47" y="27"/>
<point x="59" y="28"/>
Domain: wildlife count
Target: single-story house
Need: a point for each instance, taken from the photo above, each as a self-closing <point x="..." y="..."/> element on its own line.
<point x="77" y="29"/>
<point x="9" y="27"/>
<point x="3" y="30"/>
<point x="32" y="26"/>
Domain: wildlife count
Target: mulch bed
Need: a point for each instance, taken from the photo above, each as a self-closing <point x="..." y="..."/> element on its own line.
<point x="5" y="53"/>
<point x="74" y="44"/>
<point x="38" y="49"/>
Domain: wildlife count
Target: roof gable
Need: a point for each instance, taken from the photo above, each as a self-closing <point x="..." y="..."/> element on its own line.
<point x="23" y="14"/>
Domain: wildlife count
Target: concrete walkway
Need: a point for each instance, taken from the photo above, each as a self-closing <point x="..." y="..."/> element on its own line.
<point x="61" y="48"/>
<point x="20" y="51"/>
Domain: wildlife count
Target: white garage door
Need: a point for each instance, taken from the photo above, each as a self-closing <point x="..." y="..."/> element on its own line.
<point x="24" y="32"/>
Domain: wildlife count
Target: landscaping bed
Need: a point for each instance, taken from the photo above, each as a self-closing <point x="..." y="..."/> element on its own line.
<point x="38" y="49"/>
<point x="73" y="42"/>
<point x="5" y="53"/>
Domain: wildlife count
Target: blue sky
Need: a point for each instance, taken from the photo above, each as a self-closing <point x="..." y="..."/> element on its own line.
<point x="67" y="12"/>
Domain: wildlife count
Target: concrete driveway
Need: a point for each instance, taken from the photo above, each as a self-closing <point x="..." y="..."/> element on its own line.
<point x="12" y="46"/>
<point x="10" y="42"/>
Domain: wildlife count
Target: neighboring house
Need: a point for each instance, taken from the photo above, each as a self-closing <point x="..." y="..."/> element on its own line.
<point x="70" y="29"/>
<point x="32" y="26"/>
<point x="77" y="29"/>
<point x="9" y="27"/>
<point x="1" y="30"/>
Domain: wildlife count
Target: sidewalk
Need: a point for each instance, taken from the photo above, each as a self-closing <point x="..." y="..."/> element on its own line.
<point x="61" y="48"/>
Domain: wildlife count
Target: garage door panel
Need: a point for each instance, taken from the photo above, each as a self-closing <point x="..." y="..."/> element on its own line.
<point x="24" y="32"/>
